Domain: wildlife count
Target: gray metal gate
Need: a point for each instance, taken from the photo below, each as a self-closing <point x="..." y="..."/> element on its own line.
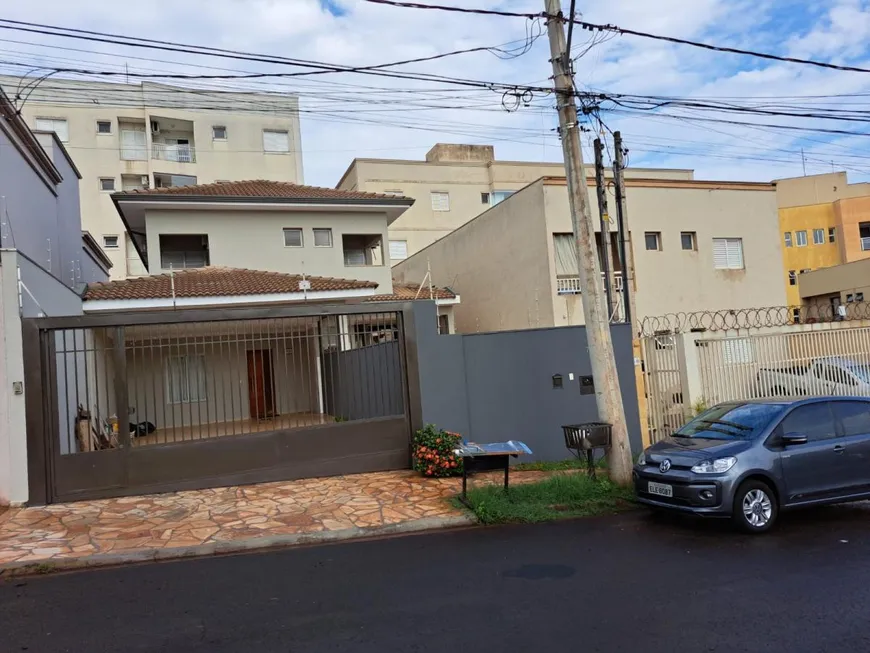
<point x="150" y="402"/>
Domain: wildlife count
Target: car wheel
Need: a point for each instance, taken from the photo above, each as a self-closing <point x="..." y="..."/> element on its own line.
<point x="755" y="508"/>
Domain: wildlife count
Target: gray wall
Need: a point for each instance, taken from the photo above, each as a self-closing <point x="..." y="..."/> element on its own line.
<point x="499" y="386"/>
<point x="363" y="383"/>
<point x="42" y="294"/>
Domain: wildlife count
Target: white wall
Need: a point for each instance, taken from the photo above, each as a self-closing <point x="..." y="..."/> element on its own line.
<point x="13" y="428"/>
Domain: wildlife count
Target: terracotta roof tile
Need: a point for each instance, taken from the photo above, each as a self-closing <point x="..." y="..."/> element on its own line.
<point x="406" y="292"/>
<point x="262" y="188"/>
<point x="216" y="282"/>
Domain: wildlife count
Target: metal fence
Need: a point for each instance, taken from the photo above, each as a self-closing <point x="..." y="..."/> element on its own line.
<point x="144" y="385"/>
<point x="664" y="394"/>
<point x="800" y="363"/>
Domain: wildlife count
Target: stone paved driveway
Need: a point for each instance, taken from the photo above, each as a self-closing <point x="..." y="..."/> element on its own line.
<point x="207" y="521"/>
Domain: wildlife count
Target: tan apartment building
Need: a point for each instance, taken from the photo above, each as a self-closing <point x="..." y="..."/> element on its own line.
<point x="453" y="185"/>
<point x="698" y="245"/>
<point x="825" y="221"/>
<point x="125" y="137"/>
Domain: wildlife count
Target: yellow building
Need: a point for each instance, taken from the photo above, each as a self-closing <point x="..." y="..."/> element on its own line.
<point x="823" y="221"/>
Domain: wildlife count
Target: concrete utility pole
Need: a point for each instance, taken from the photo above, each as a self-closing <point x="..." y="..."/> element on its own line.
<point x="626" y="250"/>
<point x="607" y="394"/>
<point x="604" y="218"/>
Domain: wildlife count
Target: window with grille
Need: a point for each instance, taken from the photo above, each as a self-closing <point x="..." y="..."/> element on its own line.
<point x="57" y="125"/>
<point x="398" y="250"/>
<point x="178" y="252"/>
<point x="323" y="237"/>
<point x="440" y="201"/>
<point x="185" y="379"/>
<point x="728" y="253"/>
<point x="276" y="141"/>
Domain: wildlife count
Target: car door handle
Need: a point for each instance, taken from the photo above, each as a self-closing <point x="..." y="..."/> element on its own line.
<point x="839" y="448"/>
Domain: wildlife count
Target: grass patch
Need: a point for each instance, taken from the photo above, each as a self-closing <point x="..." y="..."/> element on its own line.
<point x="558" y="497"/>
<point x="556" y="466"/>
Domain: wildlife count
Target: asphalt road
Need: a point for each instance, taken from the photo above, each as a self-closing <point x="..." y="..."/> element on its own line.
<point x="630" y="583"/>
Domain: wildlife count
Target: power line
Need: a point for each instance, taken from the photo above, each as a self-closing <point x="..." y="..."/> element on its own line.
<point x="631" y="32"/>
<point x="461" y="10"/>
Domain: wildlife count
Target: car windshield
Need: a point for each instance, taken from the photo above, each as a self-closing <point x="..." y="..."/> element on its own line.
<point x="731" y="421"/>
<point x="861" y="371"/>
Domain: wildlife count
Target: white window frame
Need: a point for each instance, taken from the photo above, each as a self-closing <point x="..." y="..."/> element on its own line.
<point x="184" y="394"/>
<point x="279" y="150"/>
<point x="658" y="236"/>
<point x="106" y="122"/>
<point x="398" y="192"/>
<point x="818" y="236"/>
<point x="504" y="194"/>
<point x="134" y="151"/>
<point x="788" y="240"/>
<point x="799" y="236"/>
<point x="400" y="245"/>
<point x="301" y="237"/>
<point x="107" y="190"/>
<point x="106" y="244"/>
<point x="693" y="236"/>
<point x="733" y="251"/>
<point x="326" y="230"/>
<point x="63" y="136"/>
<point x="214" y="136"/>
<point x="440" y="201"/>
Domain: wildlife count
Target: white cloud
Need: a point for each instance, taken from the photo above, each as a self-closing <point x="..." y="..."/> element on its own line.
<point x="343" y="119"/>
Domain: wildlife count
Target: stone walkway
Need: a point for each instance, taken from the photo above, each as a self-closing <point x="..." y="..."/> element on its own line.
<point x="200" y="522"/>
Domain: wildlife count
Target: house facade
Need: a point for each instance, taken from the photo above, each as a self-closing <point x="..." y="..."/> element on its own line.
<point x="45" y="261"/>
<point x="697" y="245"/>
<point x="126" y="137"/>
<point x="454" y="184"/>
<point x="824" y="221"/>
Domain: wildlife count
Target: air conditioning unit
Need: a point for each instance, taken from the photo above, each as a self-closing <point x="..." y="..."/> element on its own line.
<point x="155" y="127"/>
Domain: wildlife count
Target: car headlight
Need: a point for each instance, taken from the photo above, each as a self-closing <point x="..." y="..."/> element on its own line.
<point x="641" y="459"/>
<point x="715" y="466"/>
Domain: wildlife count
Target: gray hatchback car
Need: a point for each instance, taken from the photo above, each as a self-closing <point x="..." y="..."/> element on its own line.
<point x="748" y="460"/>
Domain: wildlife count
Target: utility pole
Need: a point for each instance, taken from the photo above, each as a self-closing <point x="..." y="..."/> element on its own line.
<point x="604" y="218"/>
<point x="607" y="394"/>
<point x="626" y="251"/>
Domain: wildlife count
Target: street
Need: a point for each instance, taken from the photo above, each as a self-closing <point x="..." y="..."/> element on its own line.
<point x="633" y="583"/>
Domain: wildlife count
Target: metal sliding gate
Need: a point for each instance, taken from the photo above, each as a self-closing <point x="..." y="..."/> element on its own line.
<point x="150" y="402"/>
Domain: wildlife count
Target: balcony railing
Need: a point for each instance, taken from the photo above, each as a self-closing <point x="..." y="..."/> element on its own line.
<point x="865" y="244"/>
<point x="170" y="152"/>
<point x="571" y="285"/>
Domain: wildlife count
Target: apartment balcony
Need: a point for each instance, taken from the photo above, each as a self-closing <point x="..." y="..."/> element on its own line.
<point x="177" y="152"/>
<point x="571" y="285"/>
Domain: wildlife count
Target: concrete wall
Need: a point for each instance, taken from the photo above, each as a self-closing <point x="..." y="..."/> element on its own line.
<point x="13" y="440"/>
<point x="850" y="214"/>
<point x="240" y="156"/>
<point x="838" y="279"/>
<point x="462" y="171"/>
<point x="496" y="263"/>
<point x="255" y="239"/>
<point x="499" y="386"/>
<point x="42" y="295"/>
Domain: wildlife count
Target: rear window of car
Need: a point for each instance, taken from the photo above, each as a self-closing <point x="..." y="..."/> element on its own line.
<point x="854" y="416"/>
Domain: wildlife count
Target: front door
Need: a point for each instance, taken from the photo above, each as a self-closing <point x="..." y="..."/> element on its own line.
<point x="813" y="470"/>
<point x="260" y="395"/>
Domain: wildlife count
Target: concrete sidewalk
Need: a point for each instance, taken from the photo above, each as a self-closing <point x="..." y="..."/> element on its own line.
<point x="232" y="519"/>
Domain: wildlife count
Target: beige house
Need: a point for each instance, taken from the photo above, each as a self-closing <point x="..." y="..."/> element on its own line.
<point x="453" y="185"/>
<point x="126" y="137"/>
<point x="698" y="245"/>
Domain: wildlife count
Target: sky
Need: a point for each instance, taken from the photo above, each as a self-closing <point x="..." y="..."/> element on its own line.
<point x="347" y="115"/>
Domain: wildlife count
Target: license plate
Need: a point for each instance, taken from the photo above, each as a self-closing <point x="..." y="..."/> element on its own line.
<point x="661" y="489"/>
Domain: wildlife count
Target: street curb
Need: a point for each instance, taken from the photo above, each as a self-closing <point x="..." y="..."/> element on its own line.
<point x="14" y="569"/>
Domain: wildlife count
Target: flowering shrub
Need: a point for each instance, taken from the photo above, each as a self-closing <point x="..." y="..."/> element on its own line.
<point x="433" y="452"/>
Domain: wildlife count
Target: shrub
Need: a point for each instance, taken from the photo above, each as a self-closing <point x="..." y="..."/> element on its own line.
<point x="433" y="452"/>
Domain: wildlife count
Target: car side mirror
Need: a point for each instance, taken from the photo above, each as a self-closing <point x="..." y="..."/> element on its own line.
<point x="790" y="439"/>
